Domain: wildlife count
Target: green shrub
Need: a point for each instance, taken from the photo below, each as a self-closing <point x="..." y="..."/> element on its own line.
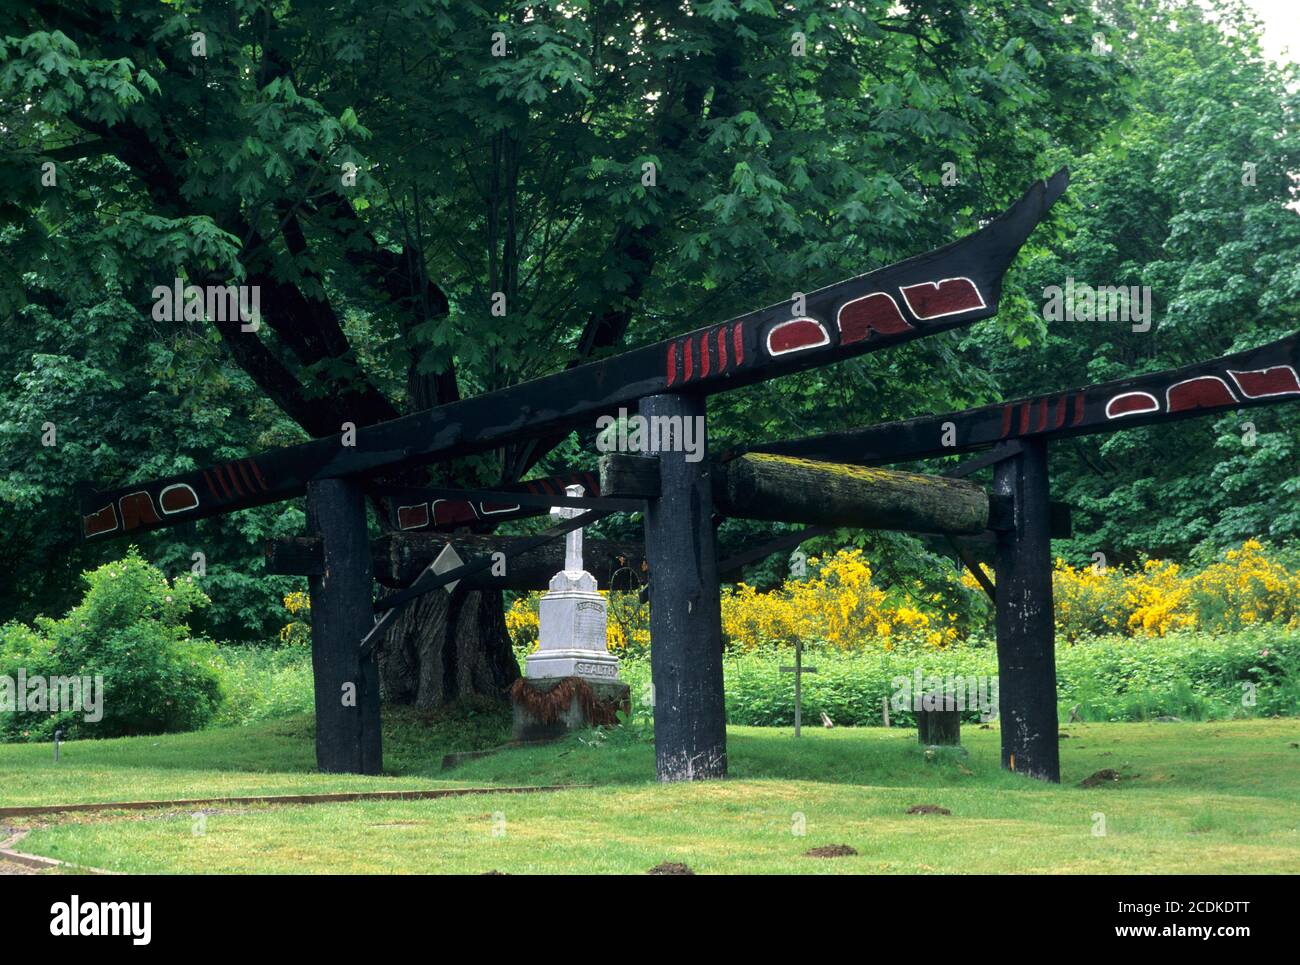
<point x="130" y="631"/>
<point x="261" y="683"/>
<point x="1190" y="675"/>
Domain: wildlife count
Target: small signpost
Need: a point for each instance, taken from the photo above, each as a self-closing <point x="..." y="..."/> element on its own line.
<point x="798" y="670"/>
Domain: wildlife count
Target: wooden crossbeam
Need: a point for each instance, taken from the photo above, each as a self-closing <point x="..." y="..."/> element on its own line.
<point x="1266" y="375"/>
<point x="943" y="289"/>
<point x="417" y="510"/>
<point x="398" y="558"/>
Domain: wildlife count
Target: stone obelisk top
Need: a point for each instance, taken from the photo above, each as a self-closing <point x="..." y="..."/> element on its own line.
<point x="573" y="539"/>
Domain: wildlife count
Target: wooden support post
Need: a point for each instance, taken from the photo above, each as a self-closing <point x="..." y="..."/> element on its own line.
<point x="685" y="608"/>
<point x="347" y="687"/>
<point x="1025" y="621"/>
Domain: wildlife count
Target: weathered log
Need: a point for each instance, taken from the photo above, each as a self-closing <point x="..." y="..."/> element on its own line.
<point x="398" y="558"/>
<point x="761" y="486"/>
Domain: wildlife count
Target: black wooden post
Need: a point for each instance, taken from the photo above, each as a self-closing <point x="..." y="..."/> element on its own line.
<point x="1025" y="621"/>
<point x="347" y="687"/>
<point x="685" y="610"/>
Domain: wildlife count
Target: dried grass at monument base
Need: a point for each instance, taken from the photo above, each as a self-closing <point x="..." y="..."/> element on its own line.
<point x="548" y="706"/>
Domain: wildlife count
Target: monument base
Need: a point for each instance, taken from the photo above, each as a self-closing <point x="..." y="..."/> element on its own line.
<point x="550" y="707"/>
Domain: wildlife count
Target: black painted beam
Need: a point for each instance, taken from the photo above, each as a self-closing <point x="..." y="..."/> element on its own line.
<point x="949" y="287"/>
<point x="1266" y="375"/>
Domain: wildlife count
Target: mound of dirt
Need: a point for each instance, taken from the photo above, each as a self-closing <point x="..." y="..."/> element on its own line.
<point x="927" y="809"/>
<point x="670" y="868"/>
<point x="831" y="851"/>
<point x="1107" y="775"/>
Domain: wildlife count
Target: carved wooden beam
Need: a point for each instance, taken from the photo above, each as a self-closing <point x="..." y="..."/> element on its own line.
<point x="949" y="287"/>
<point x="1263" y="376"/>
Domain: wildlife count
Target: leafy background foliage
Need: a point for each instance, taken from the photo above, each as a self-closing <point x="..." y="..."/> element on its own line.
<point x="522" y="175"/>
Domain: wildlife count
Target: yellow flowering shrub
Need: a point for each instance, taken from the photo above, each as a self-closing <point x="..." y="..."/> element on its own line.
<point x="1088" y="600"/>
<point x="837" y="604"/>
<point x="1247" y="587"/>
<point x="297" y="632"/>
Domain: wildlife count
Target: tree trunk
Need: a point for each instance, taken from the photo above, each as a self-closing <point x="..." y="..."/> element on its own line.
<point x="443" y="648"/>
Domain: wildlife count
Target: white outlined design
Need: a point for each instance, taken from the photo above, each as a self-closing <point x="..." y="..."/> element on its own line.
<point x="416" y="506"/>
<point x="825" y="340"/>
<point x="869" y="329"/>
<point x="937" y="286"/>
<point x="1152" y="406"/>
<point x="484" y="511"/>
<point x="1169" y="392"/>
<point x="1265" y="373"/>
<point x="111" y="509"/>
<point x="186" y="487"/>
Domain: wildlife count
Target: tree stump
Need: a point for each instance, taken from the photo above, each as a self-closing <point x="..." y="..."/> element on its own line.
<point x="940" y="727"/>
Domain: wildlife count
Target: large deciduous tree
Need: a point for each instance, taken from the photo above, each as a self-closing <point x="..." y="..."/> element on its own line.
<point x="439" y="198"/>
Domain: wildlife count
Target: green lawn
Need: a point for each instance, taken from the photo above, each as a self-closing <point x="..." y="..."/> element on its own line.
<point x="1204" y="797"/>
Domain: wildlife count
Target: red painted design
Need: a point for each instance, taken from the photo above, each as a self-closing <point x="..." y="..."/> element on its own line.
<point x="221" y="481"/>
<point x="1202" y="392"/>
<point x="738" y="342"/>
<point x="722" y="349"/>
<point x="177" y="498"/>
<point x="258" y="473"/>
<point x="1263" y="383"/>
<point x="1024" y="418"/>
<point x="950" y="296"/>
<point x="244" y="475"/>
<point x="448" y="512"/>
<point x="877" y="312"/>
<point x="233" y="480"/>
<point x="1006" y="420"/>
<point x="672" y="363"/>
<point x="100" y="521"/>
<point x="493" y="509"/>
<point x="1131" y="403"/>
<point x="1042" y="414"/>
<point x="704" y="355"/>
<point x="690" y="361"/>
<point x="137" y="509"/>
<point x="413" y="517"/>
<point x="796" y="335"/>
<point x="1061" y="403"/>
<point x="207" y="478"/>
<point x="1078" y="409"/>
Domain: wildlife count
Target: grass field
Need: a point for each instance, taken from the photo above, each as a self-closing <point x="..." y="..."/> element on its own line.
<point x="1206" y="798"/>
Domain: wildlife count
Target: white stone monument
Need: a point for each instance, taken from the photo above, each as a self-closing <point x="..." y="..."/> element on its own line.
<point x="571" y="638"/>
